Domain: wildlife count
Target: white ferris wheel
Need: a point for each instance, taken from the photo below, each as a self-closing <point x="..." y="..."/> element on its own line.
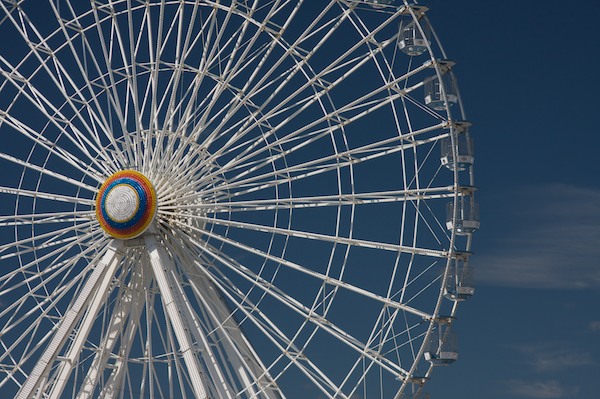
<point x="229" y="199"/>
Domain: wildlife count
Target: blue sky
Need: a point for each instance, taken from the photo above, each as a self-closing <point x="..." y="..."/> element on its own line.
<point x="528" y="77"/>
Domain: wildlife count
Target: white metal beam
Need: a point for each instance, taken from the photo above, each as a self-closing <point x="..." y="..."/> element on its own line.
<point x="170" y="290"/>
<point x="88" y="302"/>
<point x="112" y="387"/>
<point x="129" y="306"/>
<point x="248" y="366"/>
<point x="214" y="368"/>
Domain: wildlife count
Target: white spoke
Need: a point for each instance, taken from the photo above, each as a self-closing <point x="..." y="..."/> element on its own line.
<point x="45" y="218"/>
<point x="47" y="196"/>
<point x="327" y="238"/>
<point x="309" y="313"/>
<point x="321" y="201"/>
<point x="323" y="278"/>
<point x="50" y="111"/>
<point x="47" y="172"/>
<point x="314" y="167"/>
<point x="276" y="337"/>
<point x="40" y="140"/>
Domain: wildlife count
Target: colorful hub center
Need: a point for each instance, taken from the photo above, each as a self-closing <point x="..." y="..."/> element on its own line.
<point x="126" y="204"/>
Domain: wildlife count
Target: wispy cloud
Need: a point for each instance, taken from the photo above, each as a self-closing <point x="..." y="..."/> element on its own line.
<point x="541" y="237"/>
<point x="548" y="357"/>
<point x="549" y="389"/>
<point x="550" y="361"/>
<point x="595" y="326"/>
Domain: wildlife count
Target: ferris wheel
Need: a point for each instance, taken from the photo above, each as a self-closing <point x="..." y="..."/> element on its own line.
<point x="229" y="199"/>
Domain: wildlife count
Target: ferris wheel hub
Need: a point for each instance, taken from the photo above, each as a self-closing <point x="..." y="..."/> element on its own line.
<point x="126" y="204"/>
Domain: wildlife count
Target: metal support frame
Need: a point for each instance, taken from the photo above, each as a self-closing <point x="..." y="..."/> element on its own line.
<point x="112" y="387"/>
<point x="85" y="309"/>
<point x="129" y="307"/>
<point x="246" y="363"/>
<point x="171" y="292"/>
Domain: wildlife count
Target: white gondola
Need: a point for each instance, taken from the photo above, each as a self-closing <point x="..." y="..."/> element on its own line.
<point x="442" y="348"/>
<point x="459" y="283"/>
<point x="467" y="213"/>
<point x="414" y="38"/>
<point x="440" y="94"/>
<point x="464" y="151"/>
